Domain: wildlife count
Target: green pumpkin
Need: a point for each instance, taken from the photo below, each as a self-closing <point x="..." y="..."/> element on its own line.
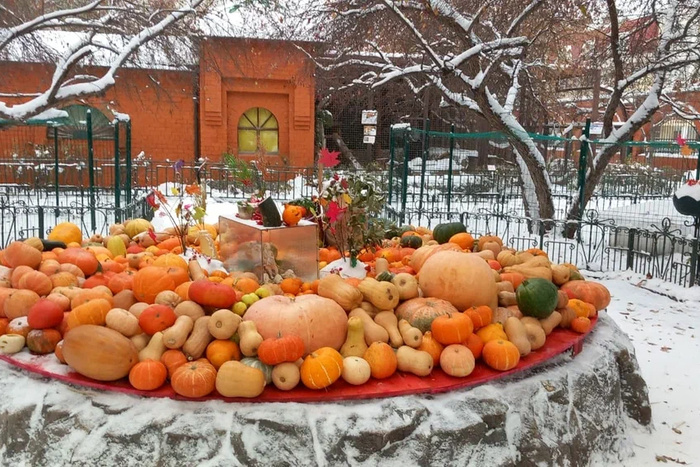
<point x="255" y="363"/>
<point x="537" y="297"/>
<point x="385" y="276"/>
<point x="443" y="232"/>
<point x="412" y="241"/>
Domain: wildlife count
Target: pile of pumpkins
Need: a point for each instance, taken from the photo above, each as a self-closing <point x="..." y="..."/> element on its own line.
<point x="129" y="306"/>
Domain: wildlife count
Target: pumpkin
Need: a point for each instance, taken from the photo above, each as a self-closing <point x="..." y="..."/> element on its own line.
<point x="156" y="318"/>
<point x="382" y="360"/>
<point x="21" y="254"/>
<point x="537" y="297"/>
<point x="319" y="322"/>
<point x="170" y="260"/>
<point x="457" y="360"/>
<point x="411" y="241"/>
<point x="99" y="353"/>
<point x="173" y="359"/>
<point x="257" y="364"/>
<point x="474" y="344"/>
<point x="292" y="214"/>
<point x="42" y="341"/>
<point x="211" y="294"/>
<point x="335" y="288"/>
<point x="463" y="279"/>
<point x="84" y="259"/>
<point x="356" y="370"/>
<point x="501" y="355"/>
<point x="480" y="315"/>
<point x="276" y="350"/>
<point x="443" y="232"/>
<point x="35" y="242"/>
<point x="463" y="239"/>
<point x="583" y="309"/>
<point x="133" y="227"/>
<point x="590" y="292"/>
<point x="66" y="232"/>
<point x="579" y="324"/>
<point x="120" y="282"/>
<point x="150" y="281"/>
<point x="451" y="329"/>
<point x="220" y="351"/>
<point x="19" y="302"/>
<point x="420" y="312"/>
<point x="18" y="326"/>
<point x="92" y="312"/>
<point x="514" y="278"/>
<point x="321" y="368"/>
<point x="484" y="239"/>
<point x="148" y="375"/>
<point x="44" y="314"/>
<point x="492" y="332"/>
<point x="63" y="279"/>
<point x="49" y="266"/>
<point x="235" y="379"/>
<point x="194" y="379"/>
<point x="17" y="273"/>
<point x="421" y="255"/>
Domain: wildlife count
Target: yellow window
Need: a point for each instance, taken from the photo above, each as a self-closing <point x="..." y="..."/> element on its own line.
<point x="258" y="131"/>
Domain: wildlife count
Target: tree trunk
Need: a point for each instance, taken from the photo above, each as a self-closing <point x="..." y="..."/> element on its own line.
<point x="345" y="151"/>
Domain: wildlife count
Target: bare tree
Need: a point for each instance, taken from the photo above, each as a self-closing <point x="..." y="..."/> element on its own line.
<point x="108" y="33"/>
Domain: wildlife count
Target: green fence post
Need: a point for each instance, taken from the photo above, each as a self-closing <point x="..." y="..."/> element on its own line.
<point x="55" y="163"/>
<point x="424" y="159"/>
<point x="404" y="188"/>
<point x="91" y="171"/>
<point x="117" y="175"/>
<point x="391" y="162"/>
<point x="449" y="168"/>
<point x="128" y="162"/>
<point x="582" y="165"/>
<point x="40" y="213"/>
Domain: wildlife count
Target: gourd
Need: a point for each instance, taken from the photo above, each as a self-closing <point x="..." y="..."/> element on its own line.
<point x="452" y="329"/>
<point x="535" y="334"/>
<point x="552" y="321"/>
<point x="250" y="338"/>
<point x="560" y="274"/>
<point x="387" y="320"/>
<point x="406" y="284"/>
<point x="507" y="298"/>
<point x="356" y="370"/>
<point x="515" y="330"/>
<point x="123" y="322"/>
<point x="355" y="344"/>
<point x="590" y="292"/>
<point x="175" y="336"/>
<point x="372" y="331"/>
<point x="382" y="360"/>
<point x="223" y="324"/>
<point x="381" y="265"/>
<point x="420" y="312"/>
<point x="140" y="341"/>
<point x="334" y="287"/>
<point x="321" y="368"/>
<point x="537" y="297"/>
<point x="189" y="308"/>
<point x="196" y="344"/>
<point x="411" y="336"/>
<point x="500" y="355"/>
<point x="11" y="343"/>
<point x="443" y="232"/>
<point x="168" y="298"/>
<point x="414" y="361"/>
<point x="383" y="295"/>
<point x="457" y="360"/>
<point x="281" y="349"/>
<point x="99" y="353"/>
<point x="256" y="363"/>
<point x="155" y="348"/>
<point x="286" y="376"/>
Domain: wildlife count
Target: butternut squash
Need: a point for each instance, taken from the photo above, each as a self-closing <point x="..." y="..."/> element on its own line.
<point x="507" y="298"/>
<point x="124" y="299"/>
<point x="286" y="376"/>
<point x="505" y="286"/>
<point x="334" y="287"/>
<point x="550" y="322"/>
<point x="372" y="331"/>
<point x="195" y="270"/>
<point x="196" y="344"/>
<point x="388" y="320"/>
<point x="137" y="308"/>
<point x="155" y="348"/>
<point x="568" y="314"/>
<point x="406" y="284"/>
<point x="417" y="362"/>
<point x="370" y="309"/>
<point x="224" y="324"/>
<point x="175" y="336"/>
<point x="515" y="330"/>
<point x="500" y="315"/>
<point x="535" y="335"/>
<point x="486" y="254"/>
<point x="383" y="295"/>
<point x="123" y="322"/>
<point x="560" y="274"/>
<point x="562" y="300"/>
<point x="189" y="308"/>
<point x="250" y="338"/>
<point x="411" y="336"/>
<point x="544" y="272"/>
<point x="356" y="370"/>
<point x="381" y="265"/>
<point x="141" y="341"/>
<point x="235" y="379"/>
<point x="355" y="344"/>
<point x="169" y="298"/>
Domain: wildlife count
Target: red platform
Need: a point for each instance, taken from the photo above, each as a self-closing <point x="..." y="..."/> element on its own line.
<point x="559" y="341"/>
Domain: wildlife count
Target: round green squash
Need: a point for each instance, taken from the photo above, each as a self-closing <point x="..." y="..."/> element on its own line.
<point x="537" y="297"/>
<point x="443" y="232"/>
<point x="411" y="241"/>
<point x="385" y="276"/>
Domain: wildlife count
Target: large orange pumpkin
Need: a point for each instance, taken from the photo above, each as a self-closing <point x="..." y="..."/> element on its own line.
<point x="150" y="281"/>
<point x="21" y="254"/>
<point x="36" y="281"/>
<point x="590" y="292"/>
<point x="421" y="255"/>
<point x="463" y="279"/>
<point x="319" y="321"/>
<point x="420" y="312"/>
<point x="84" y="259"/>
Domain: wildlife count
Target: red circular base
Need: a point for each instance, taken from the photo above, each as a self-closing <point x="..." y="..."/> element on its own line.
<point x="559" y="341"/>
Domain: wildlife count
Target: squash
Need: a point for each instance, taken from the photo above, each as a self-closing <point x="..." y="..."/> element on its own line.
<point x="516" y="333"/>
<point x="21" y="254"/>
<point x="508" y="258"/>
<point x="414" y="361"/>
<point x="223" y="324"/>
<point x="156" y="318"/>
<point x="457" y="360"/>
<point x="491" y="332"/>
<point x="355" y="344"/>
<point x="500" y="355"/>
<point x="383" y="295"/>
<point x="155" y="348"/>
<point x="197" y="342"/>
<point x="189" y="308"/>
<point x="286" y="376"/>
<point x="148" y="375"/>
<point x="319" y="322"/>
<point x="462" y="279"/>
<point x="372" y="331"/>
<point x="420" y="312"/>
<point x="560" y="274"/>
<point x="276" y="350"/>
<point x="35" y="242"/>
<point x="382" y="360"/>
<point x="452" y="329"/>
<point x="133" y="227"/>
<point x="486" y="255"/>
<point x="256" y="363"/>
<point x="137" y="308"/>
<point x="381" y="265"/>
<point x="412" y="241"/>
<point x="370" y="309"/>
<point x="537" y="297"/>
<point x="19" y="302"/>
<point x="388" y="320"/>
<point x="168" y="298"/>
<point x="194" y="379"/>
<point x="507" y="299"/>
<point x="567" y="316"/>
<point x="334" y="287"/>
<point x="44" y="314"/>
<point x="590" y="292"/>
<point x="485" y="239"/>
<point x="406" y="284"/>
<point x="123" y="322"/>
<point x="443" y="232"/>
<point x="250" y="338"/>
<point x="99" y="353"/>
<point x="535" y="335"/>
<point x="411" y="336"/>
<point x="42" y="341"/>
<point x="175" y="336"/>
<point x="66" y="232"/>
<point x="562" y="300"/>
<point x="11" y="343"/>
<point x="552" y="321"/>
<point x="140" y="341"/>
<point x="505" y="286"/>
<point x="321" y="368"/>
<point x="356" y="370"/>
<point x="422" y="254"/>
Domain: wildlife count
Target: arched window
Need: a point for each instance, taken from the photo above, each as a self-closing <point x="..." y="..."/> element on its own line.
<point x="76" y="128"/>
<point x="671" y="127"/>
<point x="258" y="131"/>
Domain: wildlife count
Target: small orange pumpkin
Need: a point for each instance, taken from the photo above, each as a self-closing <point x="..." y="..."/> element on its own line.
<point x="194" y="379"/>
<point x="433" y="347"/>
<point x="220" y="351"/>
<point x="452" y="329"/>
<point x="382" y="360"/>
<point x="321" y="368"/>
<point x="148" y="375"/>
<point x="501" y="355"/>
<point x="480" y="315"/>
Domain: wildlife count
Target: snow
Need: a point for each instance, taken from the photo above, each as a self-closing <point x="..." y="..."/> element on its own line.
<point x="689" y="190"/>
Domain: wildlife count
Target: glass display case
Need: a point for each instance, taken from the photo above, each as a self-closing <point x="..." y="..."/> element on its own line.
<point x="246" y="246"/>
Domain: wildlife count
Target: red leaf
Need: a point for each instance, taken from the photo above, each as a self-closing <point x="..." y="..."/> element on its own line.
<point x="334" y="212"/>
<point x="152" y="234"/>
<point x="680" y="140"/>
<point x="328" y="158"/>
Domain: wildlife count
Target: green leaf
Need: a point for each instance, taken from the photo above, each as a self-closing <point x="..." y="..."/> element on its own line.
<point x="198" y="214"/>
